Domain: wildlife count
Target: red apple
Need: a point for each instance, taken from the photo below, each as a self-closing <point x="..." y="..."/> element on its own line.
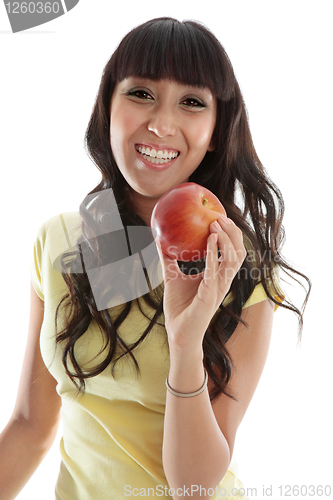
<point x="181" y="220"/>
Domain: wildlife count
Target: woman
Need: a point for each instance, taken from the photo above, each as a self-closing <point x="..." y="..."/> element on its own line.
<point x="153" y="383"/>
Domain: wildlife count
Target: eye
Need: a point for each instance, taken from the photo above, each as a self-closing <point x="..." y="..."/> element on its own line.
<point x="193" y="102"/>
<point x="140" y="94"/>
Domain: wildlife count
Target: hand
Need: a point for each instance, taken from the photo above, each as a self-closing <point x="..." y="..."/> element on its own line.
<point x="191" y="301"/>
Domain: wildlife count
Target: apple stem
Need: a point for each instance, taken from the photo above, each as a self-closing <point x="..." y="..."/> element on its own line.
<point x="205" y="202"/>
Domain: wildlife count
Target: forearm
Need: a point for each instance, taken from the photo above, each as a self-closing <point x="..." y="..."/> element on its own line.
<point x="22" y="449"/>
<point x="195" y="452"/>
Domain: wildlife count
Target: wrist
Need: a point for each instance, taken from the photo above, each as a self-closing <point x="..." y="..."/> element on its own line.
<point x="188" y="394"/>
<point x="185" y="356"/>
<point x="186" y="372"/>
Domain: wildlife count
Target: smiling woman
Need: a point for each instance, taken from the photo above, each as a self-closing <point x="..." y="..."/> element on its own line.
<point x="153" y="388"/>
<point x="171" y="123"/>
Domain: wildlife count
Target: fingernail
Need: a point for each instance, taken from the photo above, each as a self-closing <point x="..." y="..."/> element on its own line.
<point x="217" y="226"/>
<point x="225" y="219"/>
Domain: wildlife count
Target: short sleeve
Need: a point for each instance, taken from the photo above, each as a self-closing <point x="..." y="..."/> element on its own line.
<point x="36" y="262"/>
<point x="259" y="294"/>
<point x="272" y="284"/>
<point x="55" y="237"/>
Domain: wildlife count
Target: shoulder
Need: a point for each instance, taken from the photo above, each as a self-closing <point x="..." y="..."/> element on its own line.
<point x="65" y="223"/>
<point x="59" y="228"/>
<point x="57" y="236"/>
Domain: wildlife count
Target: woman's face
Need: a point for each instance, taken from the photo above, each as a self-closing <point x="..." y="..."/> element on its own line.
<point x="160" y="131"/>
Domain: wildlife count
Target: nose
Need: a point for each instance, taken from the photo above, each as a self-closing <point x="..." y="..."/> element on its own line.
<point x="163" y="123"/>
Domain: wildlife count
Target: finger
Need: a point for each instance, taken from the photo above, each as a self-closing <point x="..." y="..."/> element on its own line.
<point x="227" y="263"/>
<point x="235" y="237"/>
<point x="224" y="243"/>
<point x="209" y="288"/>
<point x="212" y="262"/>
<point x="231" y="257"/>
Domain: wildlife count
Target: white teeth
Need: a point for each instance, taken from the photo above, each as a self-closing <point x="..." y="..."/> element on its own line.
<point x="157" y="161"/>
<point x="152" y="154"/>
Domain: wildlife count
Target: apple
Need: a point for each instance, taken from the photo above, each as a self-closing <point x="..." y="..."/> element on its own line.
<point x="181" y="220"/>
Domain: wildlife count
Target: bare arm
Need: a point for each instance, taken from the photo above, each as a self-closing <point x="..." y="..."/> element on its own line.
<point x="199" y="436"/>
<point x="31" y="430"/>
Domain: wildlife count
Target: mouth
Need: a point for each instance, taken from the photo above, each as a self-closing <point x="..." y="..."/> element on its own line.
<point x="156" y="156"/>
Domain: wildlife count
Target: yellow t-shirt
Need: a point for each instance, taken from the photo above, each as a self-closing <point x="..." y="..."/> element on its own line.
<point x="112" y="435"/>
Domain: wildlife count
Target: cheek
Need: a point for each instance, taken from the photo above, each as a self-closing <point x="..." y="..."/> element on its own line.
<point x="115" y="142"/>
<point x="125" y="122"/>
<point x="121" y="128"/>
<point x="201" y="134"/>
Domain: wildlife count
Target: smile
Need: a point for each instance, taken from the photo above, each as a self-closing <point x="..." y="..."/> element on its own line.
<point x="158" y="157"/>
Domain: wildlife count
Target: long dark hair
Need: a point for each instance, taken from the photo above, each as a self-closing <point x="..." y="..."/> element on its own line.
<point x="188" y="53"/>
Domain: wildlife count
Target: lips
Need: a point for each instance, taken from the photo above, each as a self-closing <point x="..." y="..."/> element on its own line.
<point x="156" y="156"/>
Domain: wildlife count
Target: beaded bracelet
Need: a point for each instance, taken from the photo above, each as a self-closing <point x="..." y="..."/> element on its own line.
<point x="190" y="394"/>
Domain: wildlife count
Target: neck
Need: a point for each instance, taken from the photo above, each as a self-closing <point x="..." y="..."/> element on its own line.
<point x="143" y="205"/>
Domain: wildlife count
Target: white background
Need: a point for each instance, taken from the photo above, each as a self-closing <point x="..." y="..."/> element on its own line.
<point x="281" y="52"/>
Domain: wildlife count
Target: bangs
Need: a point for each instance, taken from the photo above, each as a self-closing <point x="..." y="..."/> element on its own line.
<point x="168" y="49"/>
